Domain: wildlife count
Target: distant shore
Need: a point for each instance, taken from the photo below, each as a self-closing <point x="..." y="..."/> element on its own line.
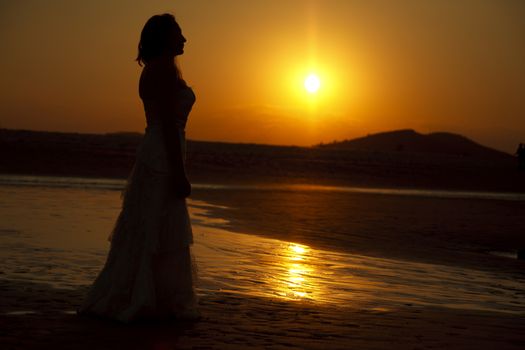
<point x="112" y="156"/>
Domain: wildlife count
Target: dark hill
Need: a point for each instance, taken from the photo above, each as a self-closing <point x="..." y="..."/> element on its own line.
<point x="410" y="141"/>
<point x="393" y="159"/>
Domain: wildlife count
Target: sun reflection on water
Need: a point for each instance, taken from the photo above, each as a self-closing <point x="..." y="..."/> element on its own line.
<point x="296" y="281"/>
<point x="42" y="250"/>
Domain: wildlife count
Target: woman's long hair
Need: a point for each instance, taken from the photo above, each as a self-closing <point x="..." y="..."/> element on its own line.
<point x="155" y="39"/>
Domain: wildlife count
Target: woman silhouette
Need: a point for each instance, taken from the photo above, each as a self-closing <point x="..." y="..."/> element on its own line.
<point x="149" y="270"/>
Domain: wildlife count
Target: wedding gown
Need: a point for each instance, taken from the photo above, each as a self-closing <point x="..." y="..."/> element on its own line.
<point x="149" y="271"/>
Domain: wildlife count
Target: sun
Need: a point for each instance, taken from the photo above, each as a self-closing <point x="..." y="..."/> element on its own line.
<point x="312" y="83"/>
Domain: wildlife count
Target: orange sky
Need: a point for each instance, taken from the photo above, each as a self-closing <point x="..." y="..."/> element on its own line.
<point x="439" y="65"/>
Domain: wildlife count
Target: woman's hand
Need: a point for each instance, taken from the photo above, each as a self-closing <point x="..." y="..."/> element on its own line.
<point x="181" y="186"/>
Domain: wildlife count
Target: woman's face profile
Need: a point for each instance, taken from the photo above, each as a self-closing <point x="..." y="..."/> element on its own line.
<point x="177" y="40"/>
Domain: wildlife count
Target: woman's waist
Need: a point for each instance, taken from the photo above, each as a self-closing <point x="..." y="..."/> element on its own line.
<point x="154" y="148"/>
<point x="155" y="135"/>
<point x="162" y="127"/>
<point x="154" y="120"/>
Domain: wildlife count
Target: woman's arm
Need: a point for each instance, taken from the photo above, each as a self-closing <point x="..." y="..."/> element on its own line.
<point x="173" y="146"/>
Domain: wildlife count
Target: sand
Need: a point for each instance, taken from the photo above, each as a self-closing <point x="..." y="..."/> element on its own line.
<point x="277" y="272"/>
<point x="233" y="322"/>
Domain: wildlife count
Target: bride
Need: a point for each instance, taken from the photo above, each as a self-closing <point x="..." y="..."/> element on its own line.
<point x="149" y="271"/>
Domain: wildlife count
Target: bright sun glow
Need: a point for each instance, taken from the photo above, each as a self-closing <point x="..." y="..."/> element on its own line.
<point x="312" y="83"/>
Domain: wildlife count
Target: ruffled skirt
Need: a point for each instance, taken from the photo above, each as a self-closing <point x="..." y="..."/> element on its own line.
<point x="149" y="271"/>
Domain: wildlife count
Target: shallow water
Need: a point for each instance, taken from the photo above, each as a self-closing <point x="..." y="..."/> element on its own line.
<point x="116" y="184"/>
<point x="57" y="235"/>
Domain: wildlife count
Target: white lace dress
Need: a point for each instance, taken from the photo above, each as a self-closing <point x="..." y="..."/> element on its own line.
<point x="149" y="271"/>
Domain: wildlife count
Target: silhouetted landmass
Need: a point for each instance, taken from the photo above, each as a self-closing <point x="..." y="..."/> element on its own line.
<point x="394" y="159"/>
<point x="411" y="141"/>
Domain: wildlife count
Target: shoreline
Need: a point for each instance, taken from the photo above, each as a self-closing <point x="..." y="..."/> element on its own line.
<point x="96" y="182"/>
<point x="463" y="239"/>
<point x="229" y="182"/>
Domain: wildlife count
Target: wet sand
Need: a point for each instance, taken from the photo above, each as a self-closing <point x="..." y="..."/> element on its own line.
<point x="234" y="322"/>
<point x="291" y="285"/>
<point x="462" y="230"/>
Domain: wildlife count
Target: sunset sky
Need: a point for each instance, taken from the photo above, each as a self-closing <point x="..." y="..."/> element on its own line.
<point x="456" y="66"/>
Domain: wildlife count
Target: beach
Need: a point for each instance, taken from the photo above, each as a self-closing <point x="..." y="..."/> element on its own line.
<point x="233" y="322"/>
<point x="279" y="267"/>
<point x="298" y="175"/>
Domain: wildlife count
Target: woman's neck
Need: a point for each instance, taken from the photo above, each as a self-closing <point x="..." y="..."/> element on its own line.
<point x="163" y="60"/>
<point x="168" y="65"/>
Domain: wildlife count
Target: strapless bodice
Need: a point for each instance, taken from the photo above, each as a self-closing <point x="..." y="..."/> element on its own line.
<point x="179" y="106"/>
<point x="152" y="150"/>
